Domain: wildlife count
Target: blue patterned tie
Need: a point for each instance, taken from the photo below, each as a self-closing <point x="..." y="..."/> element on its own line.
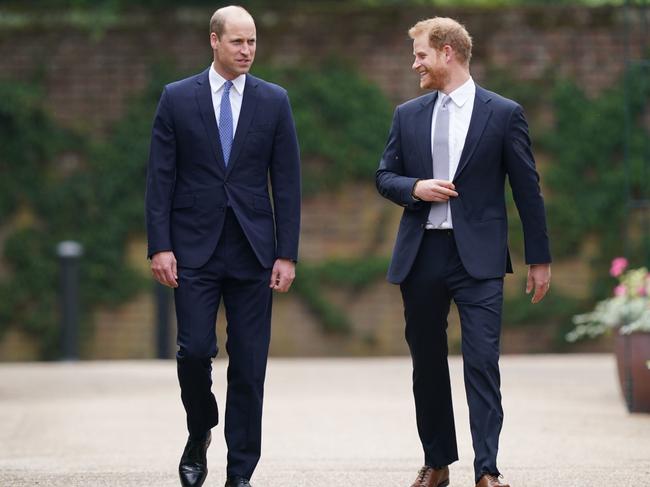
<point x="225" y="122"/>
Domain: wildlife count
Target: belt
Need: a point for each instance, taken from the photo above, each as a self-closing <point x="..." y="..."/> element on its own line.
<point x="440" y="231"/>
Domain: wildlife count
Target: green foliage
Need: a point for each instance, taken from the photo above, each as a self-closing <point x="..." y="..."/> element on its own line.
<point x="585" y="178"/>
<point x="518" y="310"/>
<point x="153" y="4"/>
<point x="28" y="163"/>
<point x="353" y="275"/>
<point x="490" y="3"/>
<point x="63" y="187"/>
<point x="342" y="121"/>
<point x="555" y="311"/>
<point x="588" y="175"/>
<point x="56" y="185"/>
<point x="25" y="128"/>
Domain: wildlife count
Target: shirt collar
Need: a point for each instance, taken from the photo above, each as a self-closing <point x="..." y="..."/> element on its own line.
<point x="217" y="81"/>
<point x="461" y="94"/>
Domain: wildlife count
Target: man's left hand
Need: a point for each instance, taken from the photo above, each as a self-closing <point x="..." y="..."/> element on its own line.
<point x="539" y="278"/>
<point x="283" y="274"/>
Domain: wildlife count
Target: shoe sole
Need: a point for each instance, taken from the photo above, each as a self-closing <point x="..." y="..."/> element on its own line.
<point x="199" y="484"/>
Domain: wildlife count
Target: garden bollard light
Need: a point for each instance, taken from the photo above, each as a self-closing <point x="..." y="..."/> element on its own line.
<point x="69" y="253"/>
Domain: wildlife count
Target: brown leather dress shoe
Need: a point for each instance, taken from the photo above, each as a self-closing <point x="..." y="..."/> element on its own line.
<point x="491" y="481"/>
<point x="432" y="477"/>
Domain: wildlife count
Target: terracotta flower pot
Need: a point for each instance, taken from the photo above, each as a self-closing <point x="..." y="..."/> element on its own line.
<point x="632" y="355"/>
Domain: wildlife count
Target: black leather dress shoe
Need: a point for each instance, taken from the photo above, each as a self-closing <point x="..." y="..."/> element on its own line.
<point x="193" y="468"/>
<point x="237" y="482"/>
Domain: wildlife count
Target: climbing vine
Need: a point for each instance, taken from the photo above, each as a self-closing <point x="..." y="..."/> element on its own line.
<point x="342" y="120"/>
<point x="57" y="185"/>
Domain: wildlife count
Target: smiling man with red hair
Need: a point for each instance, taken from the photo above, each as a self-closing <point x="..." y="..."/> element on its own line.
<point x="446" y="161"/>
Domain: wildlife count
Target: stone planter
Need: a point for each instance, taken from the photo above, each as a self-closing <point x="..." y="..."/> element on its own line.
<point x="632" y="354"/>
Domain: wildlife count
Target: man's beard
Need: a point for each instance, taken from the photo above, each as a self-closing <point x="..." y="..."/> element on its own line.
<point x="437" y="78"/>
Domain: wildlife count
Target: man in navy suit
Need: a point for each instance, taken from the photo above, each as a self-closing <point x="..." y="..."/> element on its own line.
<point x="446" y="161"/>
<point x="218" y="139"/>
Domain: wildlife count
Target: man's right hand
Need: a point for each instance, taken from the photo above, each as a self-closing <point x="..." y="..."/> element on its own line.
<point x="434" y="190"/>
<point x="163" y="267"/>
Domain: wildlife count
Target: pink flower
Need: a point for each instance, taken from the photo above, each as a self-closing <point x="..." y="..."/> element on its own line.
<point x="642" y="291"/>
<point x="618" y="266"/>
<point x="620" y="290"/>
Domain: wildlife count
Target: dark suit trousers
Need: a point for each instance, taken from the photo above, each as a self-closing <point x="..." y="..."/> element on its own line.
<point x="234" y="274"/>
<point x="437" y="277"/>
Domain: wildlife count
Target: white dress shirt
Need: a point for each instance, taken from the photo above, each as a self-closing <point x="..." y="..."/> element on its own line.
<point x="236" y="95"/>
<point x="460" y="114"/>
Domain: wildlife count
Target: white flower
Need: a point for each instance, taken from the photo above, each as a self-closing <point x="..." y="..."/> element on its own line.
<point x="628" y="309"/>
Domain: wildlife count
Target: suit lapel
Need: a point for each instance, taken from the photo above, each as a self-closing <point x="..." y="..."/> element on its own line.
<point x="248" y="106"/>
<point x="481" y="113"/>
<point x="206" y="108"/>
<point x="423" y="121"/>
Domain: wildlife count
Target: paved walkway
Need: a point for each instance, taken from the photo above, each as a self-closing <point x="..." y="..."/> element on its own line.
<point x="328" y="423"/>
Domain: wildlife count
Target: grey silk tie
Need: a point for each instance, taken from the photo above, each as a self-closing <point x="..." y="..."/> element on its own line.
<point x="440" y="152"/>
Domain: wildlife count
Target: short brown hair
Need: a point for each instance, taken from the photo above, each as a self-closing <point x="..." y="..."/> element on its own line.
<point x="445" y="31"/>
<point x="218" y="19"/>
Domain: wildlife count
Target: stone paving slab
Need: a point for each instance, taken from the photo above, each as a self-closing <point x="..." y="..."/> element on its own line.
<point x="328" y="423"/>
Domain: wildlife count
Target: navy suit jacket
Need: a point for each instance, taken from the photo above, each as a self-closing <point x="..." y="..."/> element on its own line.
<point x="189" y="186"/>
<point x="497" y="145"/>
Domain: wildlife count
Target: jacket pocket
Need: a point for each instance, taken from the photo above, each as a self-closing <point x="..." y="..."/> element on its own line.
<point x="183" y="201"/>
<point x="262" y="204"/>
<point x="261" y="127"/>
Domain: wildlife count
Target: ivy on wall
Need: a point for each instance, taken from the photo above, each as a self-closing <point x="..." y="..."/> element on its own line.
<point x="584" y="179"/>
<point x="117" y="5"/>
<point x="589" y="177"/>
<point x="353" y="275"/>
<point x="30" y="144"/>
<point x="342" y="121"/>
<point x="56" y="185"/>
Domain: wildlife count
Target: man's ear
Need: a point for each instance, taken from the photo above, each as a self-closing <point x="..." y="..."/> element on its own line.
<point x="448" y="52"/>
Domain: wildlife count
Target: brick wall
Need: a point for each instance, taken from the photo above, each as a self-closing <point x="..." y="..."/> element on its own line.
<point x="90" y="73"/>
